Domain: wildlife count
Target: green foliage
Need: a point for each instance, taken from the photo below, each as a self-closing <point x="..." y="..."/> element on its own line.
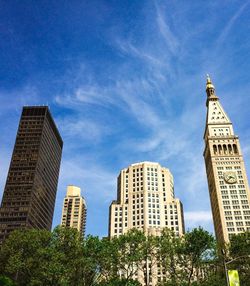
<point x="240" y="244"/>
<point x="239" y="252"/>
<point x="5" y="281"/>
<point x="61" y="259"/>
<point x="130" y="252"/>
<point x="65" y="258"/>
<point x="197" y="246"/>
<point x="22" y="253"/>
<point x="185" y="257"/>
<point x="118" y="282"/>
<point x="170" y="255"/>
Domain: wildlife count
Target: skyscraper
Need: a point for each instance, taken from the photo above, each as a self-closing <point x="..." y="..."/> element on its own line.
<point x="146" y="201"/>
<point x="226" y="174"/>
<point x="74" y="210"/>
<point x="30" y="190"/>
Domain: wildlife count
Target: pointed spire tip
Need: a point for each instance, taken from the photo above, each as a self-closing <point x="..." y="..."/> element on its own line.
<point x="208" y="78"/>
<point x="209" y="82"/>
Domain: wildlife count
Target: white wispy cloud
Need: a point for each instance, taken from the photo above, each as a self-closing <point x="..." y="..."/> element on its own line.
<point x="89" y="173"/>
<point x="83" y="129"/>
<point x="150" y="104"/>
<point x="168" y="35"/>
<point x="25" y="95"/>
<point x="226" y="30"/>
<point x="140" y="53"/>
<point x="198" y="218"/>
<point x="86" y="94"/>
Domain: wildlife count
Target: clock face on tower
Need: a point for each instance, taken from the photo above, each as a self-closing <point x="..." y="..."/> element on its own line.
<point x="230" y="177"/>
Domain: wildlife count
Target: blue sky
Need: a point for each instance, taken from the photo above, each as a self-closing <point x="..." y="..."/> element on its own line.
<point x="125" y="82"/>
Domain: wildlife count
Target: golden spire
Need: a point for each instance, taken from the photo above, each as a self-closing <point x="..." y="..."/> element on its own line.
<point x="210" y="90"/>
<point x="209" y="83"/>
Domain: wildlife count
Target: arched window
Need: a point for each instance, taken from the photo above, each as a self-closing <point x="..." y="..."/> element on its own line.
<point x="215" y="149"/>
<point x="225" y="149"/>
<point x="235" y="149"/>
<point x="220" y="149"/>
<point x="230" y="149"/>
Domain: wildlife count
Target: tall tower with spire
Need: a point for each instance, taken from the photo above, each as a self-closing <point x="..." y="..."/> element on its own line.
<point x="226" y="174"/>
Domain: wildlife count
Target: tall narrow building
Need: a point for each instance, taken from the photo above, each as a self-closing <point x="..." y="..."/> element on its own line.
<point x="146" y="201"/>
<point x="30" y="190"/>
<point x="226" y="173"/>
<point x="74" y="210"/>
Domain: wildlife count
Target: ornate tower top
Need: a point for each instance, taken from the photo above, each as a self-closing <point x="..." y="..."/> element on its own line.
<point x="216" y="115"/>
<point x="210" y="90"/>
<point x="226" y="173"/>
<point x="209" y="82"/>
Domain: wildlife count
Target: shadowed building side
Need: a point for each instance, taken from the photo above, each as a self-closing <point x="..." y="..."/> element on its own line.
<point x="31" y="185"/>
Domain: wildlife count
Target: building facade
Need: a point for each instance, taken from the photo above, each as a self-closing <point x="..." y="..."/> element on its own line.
<point x="226" y="173"/>
<point x="146" y="201"/>
<point x="74" y="210"/>
<point x="31" y="185"/>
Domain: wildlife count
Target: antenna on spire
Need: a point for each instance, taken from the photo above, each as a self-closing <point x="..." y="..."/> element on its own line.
<point x="208" y="78"/>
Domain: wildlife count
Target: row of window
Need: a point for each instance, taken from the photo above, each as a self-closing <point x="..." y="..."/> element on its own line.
<point x="226" y="197"/>
<point x="239" y="229"/>
<point x="237" y="213"/>
<point x="237" y="218"/>
<point x="233" y="192"/>
<point x="235" y="202"/>
<point x="236" y="207"/>
<point x="230" y="168"/>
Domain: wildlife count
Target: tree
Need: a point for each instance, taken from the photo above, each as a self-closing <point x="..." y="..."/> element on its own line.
<point x="5" y="281"/>
<point x="108" y="256"/>
<point x="120" y="282"/>
<point x="198" y="249"/>
<point x="22" y="253"/>
<point x="63" y="259"/>
<point x="169" y="255"/>
<point x="239" y="249"/>
<point x="150" y="260"/>
<point x="92" y="256"/>
<point x="131" y="252"/>
<point x="37" y="257"/>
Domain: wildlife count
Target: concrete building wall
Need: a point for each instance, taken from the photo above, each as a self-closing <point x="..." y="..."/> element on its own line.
<point x="74" y="210"/>
<point x="146" y="201"/>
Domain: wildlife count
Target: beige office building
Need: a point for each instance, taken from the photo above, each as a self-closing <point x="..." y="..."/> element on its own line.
<point x="226" y="174"/>
<point x="74" y="210"/>
<point x="146" y="201"/>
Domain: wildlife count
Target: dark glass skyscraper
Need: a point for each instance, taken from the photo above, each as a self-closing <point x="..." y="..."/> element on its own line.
<point x="30" y="190"/>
